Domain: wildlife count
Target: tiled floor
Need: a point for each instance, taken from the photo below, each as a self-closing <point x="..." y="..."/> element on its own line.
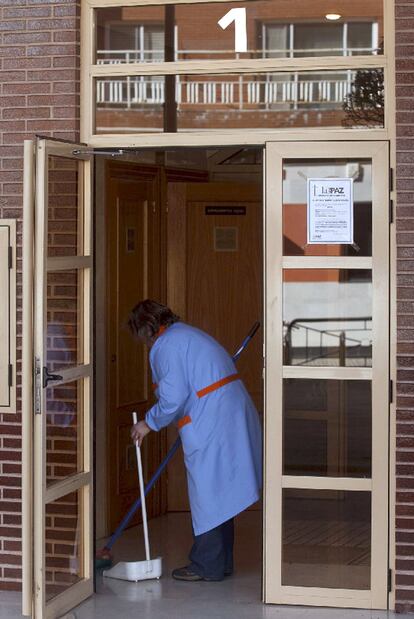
<point x="235" y="598"/>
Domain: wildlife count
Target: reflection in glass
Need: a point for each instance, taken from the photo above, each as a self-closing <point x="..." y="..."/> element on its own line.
<point x="63" y="544"/>
<point x="64" y="430"/>
<point x="237" y="101"/>
<point x="295" y="174"/>
<point x="275" y="29"/>
<point x="327" y="427"/>
<point x="64" y="344"/>
<point x="326" y="539"/>
<point x="327" y="317"/>
<point x="64" y="208"/>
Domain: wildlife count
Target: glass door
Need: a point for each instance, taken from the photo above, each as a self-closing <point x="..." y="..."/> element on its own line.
<point x="62" y="431"/>
<point x="327" y="374"/>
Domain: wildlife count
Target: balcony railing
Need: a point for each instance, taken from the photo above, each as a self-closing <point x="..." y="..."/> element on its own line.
<point x="265" y="92"/>
<point x="347" y="342"/>
<point x="126" y="56"/>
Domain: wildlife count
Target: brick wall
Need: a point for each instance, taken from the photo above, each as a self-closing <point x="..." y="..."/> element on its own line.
<point x="405" y="296"/>
<point x="39" y="92"/>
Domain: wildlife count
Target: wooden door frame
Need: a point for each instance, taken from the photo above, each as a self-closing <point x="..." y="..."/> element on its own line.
<point x="248" y="139"/>
<point x="36" y="489"/>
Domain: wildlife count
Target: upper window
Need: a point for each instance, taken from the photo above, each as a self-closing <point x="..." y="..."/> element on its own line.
<point x="191" y="32"/>
<point x="280" y="63"/>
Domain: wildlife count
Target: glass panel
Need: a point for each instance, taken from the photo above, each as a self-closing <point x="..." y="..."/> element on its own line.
<point x="327" y="317"/>
<point x="319" y="39"/>
<point x="275" y="28"/>
<point x="360" y="37"/>
<point x="63" y="544"/>
<point x="295" y="175"/>
<point x="65" y="210"/>
<point x="335" y="418"/>
<point x="245" y="101"/>
<point x="64" y="430"/>
<point x="64" y="314"/>
<point x="326" y="539"/>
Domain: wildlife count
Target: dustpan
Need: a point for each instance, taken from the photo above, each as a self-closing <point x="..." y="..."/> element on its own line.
<point x="135" y="571"/>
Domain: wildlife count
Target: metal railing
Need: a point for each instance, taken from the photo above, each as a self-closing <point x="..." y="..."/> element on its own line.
<point x="243" y="92"/>
<point x="126" y="56"/>
<point x="335" y="345"/>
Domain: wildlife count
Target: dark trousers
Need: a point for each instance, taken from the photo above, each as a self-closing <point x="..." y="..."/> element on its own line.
<point x="212" y="553"/>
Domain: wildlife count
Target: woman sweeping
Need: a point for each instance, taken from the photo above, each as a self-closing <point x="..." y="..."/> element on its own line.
<point x="199" y="390"/>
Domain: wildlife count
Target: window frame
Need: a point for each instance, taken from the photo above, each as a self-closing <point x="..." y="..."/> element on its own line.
<point x="90" y="71"/>
<point x="10" y="405"/>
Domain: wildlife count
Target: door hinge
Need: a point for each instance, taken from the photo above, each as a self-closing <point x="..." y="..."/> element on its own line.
<point x="37" y="386"/>
<point x="10" y="257"/>
<point x="391" y="392"/>
<point x="391" y="179"/>
<point x="389" y="580"/>
<point x="391" y="214"/>
<point x="10" y="375"/>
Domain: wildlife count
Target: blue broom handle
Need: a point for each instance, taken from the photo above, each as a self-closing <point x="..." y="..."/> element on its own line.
<point x="126" y="519"/>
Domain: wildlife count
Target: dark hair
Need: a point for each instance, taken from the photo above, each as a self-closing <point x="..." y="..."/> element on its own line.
<point x="148" y="316"/>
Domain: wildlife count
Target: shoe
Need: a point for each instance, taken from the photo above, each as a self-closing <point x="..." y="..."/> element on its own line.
<point x="185" y="573"/>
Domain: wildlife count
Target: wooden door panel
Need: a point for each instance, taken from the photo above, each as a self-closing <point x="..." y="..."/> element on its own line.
<point x="215" y="290"/>
<point x="132" y="284"/>
<point x="134" y="273"/>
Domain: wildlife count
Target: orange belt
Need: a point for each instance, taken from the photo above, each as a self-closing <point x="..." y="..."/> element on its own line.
<point x="217" y="385"/>
<point x="183" y="421"/>
<point x="213" y="387"/>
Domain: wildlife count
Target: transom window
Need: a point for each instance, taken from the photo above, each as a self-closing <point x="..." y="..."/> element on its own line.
<point x="172" y="68"/>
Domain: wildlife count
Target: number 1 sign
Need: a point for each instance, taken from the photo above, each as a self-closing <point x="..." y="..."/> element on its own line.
<point x="238" y="16"/>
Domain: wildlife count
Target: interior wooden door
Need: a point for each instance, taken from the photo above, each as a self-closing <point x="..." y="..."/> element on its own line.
<point x="134" y="274"/>
<point x="214" y="274"/>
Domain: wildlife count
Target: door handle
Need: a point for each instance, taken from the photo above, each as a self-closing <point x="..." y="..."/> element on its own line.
<point x="47" y="377"/>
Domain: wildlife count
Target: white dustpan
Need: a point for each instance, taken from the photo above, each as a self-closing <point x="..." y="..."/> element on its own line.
<point x="138" y="570"/>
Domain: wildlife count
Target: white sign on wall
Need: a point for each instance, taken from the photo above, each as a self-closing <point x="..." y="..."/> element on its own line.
<point x="330" y="211"/>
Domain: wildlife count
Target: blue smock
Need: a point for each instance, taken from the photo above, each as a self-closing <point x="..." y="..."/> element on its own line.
<point x="220" y="432"/>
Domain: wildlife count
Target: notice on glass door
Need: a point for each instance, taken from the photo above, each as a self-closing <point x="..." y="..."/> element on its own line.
<point x="330" y="211"/>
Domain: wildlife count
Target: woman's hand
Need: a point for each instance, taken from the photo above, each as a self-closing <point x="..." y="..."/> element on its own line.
<point x="139" y="431"/>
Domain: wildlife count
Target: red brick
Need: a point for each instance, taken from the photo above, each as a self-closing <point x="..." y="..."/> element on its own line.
<point x="29" y="88"/>
<point x="18" y="38"/>
<point x="9" y="572"/>
<point x="27" y="12"/>
<point x="12" y="546"/>
<point x="9" y="559"/>
<point x="69" y="36"/>
<point x="52" y="50"/>
<point x="12" y="519"/>
<point x="52" y="24"/>
<point x="27" y="113"/>
<point x="66" y="11"/>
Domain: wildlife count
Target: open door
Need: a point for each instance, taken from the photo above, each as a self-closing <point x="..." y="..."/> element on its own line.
<point x="62" y="402"/>
<point x="327" y="374"/>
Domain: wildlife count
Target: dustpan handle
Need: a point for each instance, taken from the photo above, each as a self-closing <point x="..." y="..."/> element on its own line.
<point x="142" y="492"/>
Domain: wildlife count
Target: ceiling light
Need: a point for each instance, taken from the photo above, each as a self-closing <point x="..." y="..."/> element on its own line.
<point x="333" y="16"/>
